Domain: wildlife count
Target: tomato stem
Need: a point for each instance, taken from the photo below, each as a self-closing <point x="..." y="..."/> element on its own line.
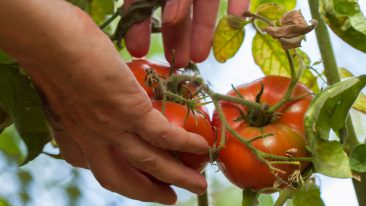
<point x="259" y="17"/>
<point x="110" y="19"/>
<point x="260" y="137"/>
<point x="285" y="194"/>
<point x="250" y="197"/>
<point x="203" y="198"/>
<point x="294" y="80"/>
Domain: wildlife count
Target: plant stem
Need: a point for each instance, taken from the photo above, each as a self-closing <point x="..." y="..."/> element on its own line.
<point x="217" y="96"/>
<point x="294" y="80"/>
<point x="109" y="20"/>
<point x="332" y="74"/>
<point x="203" y="199"/>
<point x="250" y="198"/>
<point x="285" y="194"/>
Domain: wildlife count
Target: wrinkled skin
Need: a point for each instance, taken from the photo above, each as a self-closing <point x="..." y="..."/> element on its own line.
<point x="236" y="161"/>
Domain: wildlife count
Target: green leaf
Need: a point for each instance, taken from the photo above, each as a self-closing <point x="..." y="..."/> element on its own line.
<point x="100" y="9"/>
<point x="271" y="11"/>
<point x="345" y="18"/>
<point x="307" y="195"/>
<point x="22" y="103"/>
<point x="331" y="160"/>
<point x="358" y="158"/>
<point x="360" y="103"/>
<point x="271" y="58"/>
<point x="4" y="58"/>
<point x="330" y="108"/>
<point x="11" y="144"/>
<point x="228" y="37"/>
<point x="288" y="4"/>
<point x="83" y="4"/>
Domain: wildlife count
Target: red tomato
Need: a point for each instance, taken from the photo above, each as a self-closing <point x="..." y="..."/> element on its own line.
<point x="139" y="67"/>
<point x="236" y="161"/>
<point x="195" y="123"/>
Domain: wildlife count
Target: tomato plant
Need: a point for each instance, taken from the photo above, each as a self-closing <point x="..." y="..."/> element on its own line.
<point x="195" y="123"/>
<point x="286" y="124"/>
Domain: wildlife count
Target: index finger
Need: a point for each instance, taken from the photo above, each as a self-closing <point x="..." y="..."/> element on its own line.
<point x="155" y="129"/>
<point x="237" y="7"/>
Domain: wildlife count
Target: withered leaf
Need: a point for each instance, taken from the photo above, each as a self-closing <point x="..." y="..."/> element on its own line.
<point x="292" y="30"/>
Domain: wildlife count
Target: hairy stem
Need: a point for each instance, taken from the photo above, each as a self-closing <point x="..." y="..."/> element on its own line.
<point x="294" y="80"/>
<point x="285" y="194"/>
<point x="332" y="74"/>
<point x="203" y="199"/>
<point x="109" y="20"/>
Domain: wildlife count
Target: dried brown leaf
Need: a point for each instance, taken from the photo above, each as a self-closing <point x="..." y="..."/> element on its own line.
<point x="292" y="30"/>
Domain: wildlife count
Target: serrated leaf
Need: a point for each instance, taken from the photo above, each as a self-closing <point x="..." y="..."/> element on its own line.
<point x="346" y="19"/>
<point x="271" y="58"/>
<point x="100" y="9"/>
<point x="358" y="158"/>
<point x="20" y="100"/>
<point x="271" y="11"/>
<point x="228" y="37"/>
<point x="360" y="103"/>
<point x="331" y="160"/>
<point x="307" y="195"/>
<point x="288" y="4"/>
<point x="330" y="108"/>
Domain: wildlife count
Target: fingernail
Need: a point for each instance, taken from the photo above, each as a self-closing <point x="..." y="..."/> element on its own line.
<point x="170" y="11"/>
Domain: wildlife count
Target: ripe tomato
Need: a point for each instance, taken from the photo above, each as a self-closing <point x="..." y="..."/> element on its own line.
<point x="139" y="67"/>
<point x="195" y="123"/>
<point x="236" y="161"/>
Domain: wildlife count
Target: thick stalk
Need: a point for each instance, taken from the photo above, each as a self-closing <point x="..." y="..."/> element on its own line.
<point x="203" y="199"/>
<point x="250" y="198"/>
<point x="285" y="194"/>
<point x="332" y="74"/>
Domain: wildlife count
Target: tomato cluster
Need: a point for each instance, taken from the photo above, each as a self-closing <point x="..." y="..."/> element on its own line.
<point x="236" y="160"/>
<point x="176" y="113"/>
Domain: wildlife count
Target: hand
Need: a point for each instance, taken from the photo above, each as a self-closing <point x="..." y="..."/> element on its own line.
<point x="189" y="39"/>
<point x="185" y="38"/>
<point x="103" y="119"/>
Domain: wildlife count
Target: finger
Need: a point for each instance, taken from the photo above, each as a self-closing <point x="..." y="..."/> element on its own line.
<point x="204" y="19"/>
<point x="237" y="7"/>
<point x="155" y="129"/>
<point x="115" y="174"/>
<point x="70" y="150"/>
<point x="138" y="37"/>
<point x="175" y="11"/>
<point x="160" y="164"/>
<point x="176" y="42"/>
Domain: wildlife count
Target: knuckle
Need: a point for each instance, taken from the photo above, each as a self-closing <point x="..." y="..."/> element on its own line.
<point x="161" y="140"/>
<point x="148" y="164"/>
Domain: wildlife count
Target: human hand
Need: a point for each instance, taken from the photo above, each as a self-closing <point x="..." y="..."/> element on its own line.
<point x="184" y="38"/>
<point x="103" y="120"/>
